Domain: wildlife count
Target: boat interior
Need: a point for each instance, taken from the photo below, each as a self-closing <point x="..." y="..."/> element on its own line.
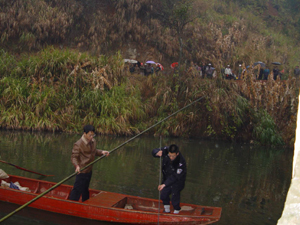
<point x="116" y="200"/>
<point x="38" y="187"/>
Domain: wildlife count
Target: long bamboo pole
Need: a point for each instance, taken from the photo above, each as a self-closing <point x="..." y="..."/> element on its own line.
<point x="96" y="160"/>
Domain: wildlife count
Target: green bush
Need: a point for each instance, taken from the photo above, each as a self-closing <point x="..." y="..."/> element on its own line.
<point x="265" y="130"/>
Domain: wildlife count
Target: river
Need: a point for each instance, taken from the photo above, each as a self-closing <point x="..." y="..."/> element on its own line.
<point x="249" y="182"/>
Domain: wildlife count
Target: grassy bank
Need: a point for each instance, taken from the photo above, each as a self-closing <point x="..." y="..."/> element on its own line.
<point x="62" y="89"/>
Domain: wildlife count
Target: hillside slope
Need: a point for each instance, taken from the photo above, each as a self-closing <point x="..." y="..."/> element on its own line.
<point x="221" y="32"/>
<point x="61" y="66"/>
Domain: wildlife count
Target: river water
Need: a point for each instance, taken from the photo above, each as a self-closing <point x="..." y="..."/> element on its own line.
<point x="249" y="182"/>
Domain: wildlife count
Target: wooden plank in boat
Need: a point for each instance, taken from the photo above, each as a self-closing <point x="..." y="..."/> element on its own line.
<point x="106" y="199"/>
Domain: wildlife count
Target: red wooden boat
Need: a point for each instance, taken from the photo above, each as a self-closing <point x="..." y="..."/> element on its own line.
<point x="105" y="206"/>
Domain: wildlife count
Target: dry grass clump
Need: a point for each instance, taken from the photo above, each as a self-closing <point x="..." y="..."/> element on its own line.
<point x="34" y="23"/>
<point x="233" y="110"/>
<point x="61" y="89"/>
<point x="218" y="34"/>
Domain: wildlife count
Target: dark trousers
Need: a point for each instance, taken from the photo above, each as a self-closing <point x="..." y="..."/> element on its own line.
<point x="175" y="191"/>
<point x="81" y="187"/>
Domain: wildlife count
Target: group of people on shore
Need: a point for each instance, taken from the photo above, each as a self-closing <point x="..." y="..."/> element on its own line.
<point x="258" y="72"/>
<point x="145" y="69"/>
<point x="208" y="71"/>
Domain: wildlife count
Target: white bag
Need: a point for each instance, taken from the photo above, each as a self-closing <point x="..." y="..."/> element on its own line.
<point x="3" y="175"/>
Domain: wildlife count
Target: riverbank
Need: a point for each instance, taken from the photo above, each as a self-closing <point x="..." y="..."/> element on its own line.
<point x="61" y="90"/>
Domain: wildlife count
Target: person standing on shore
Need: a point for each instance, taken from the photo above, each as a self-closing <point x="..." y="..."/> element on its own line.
<point x="297" y="75"/>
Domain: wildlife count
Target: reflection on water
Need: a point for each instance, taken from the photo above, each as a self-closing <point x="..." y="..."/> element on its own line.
<point x="249" y="183"/>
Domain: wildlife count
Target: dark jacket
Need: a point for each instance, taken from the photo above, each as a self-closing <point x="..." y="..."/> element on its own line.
<point x="174" y="172"/>
<point x="275" y="73"/>
<point x="266" y="73"/>
<point x="297" y="72"/>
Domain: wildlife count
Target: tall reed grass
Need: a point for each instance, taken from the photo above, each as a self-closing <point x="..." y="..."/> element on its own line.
<point x="60" y="90"/>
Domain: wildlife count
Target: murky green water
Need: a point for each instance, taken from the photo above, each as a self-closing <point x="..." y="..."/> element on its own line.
<point x="249" y="183"/>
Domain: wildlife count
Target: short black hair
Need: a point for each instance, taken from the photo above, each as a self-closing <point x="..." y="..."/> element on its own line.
<point x="173" y="149"/>
<point x="88" y="128"/>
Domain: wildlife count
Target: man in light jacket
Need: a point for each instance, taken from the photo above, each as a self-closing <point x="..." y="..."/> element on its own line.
<point x="83" y="153"/>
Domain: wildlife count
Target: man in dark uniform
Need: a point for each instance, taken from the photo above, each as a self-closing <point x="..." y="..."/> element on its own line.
<point x="174" y="174"/>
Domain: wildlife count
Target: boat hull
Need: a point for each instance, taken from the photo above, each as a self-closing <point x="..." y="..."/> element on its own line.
<point x="104" y="206"/>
